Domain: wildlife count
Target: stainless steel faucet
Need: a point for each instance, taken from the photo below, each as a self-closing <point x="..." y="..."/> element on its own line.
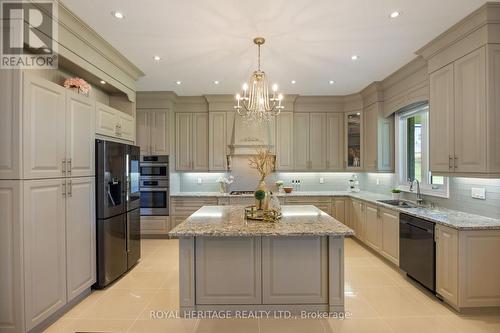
<point x="420" y="200"/>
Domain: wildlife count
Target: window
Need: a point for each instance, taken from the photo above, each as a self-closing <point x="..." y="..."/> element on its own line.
<point x="412" y="153"/>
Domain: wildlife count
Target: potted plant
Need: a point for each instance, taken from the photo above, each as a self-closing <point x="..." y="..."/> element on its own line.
<point x="396" y="193"/>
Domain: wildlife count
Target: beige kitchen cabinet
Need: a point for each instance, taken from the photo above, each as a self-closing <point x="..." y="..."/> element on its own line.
<point x="354" y="141"/>
<point x="378" y="139"/>
<point x="220" y="135"/>
<point x="80" y="129"/>
<point x="153" y="131"/>
<point x="44" y="249"/>
<point x="11" y="248"/>
<point x="114" y="123"/>
<point x="373" y="228"/>
<point x="389" y="224"/>
<point x="309" y="141"/>
<point x="44" y="124"/>
<point x="182" y="207"/>
<point x="323" y="203"/>
<point x="80" y="235"/>
<point x="285" y="142"/>
<point x="463" y="107"/>
<point x="358" y="219"/>
<point x="59" y="131"/>
<point x="335" y="142"/>
<point x="155" y="225"/>
<point x="339" y="209"/>
<point x="447" y="263"/>
<point x="191" y="144"/>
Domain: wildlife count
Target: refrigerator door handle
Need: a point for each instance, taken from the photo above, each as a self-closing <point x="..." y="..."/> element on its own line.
<point x="127" y="241"/>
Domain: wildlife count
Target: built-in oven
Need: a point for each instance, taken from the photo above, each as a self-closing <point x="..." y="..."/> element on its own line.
<point x="154" y="185"/>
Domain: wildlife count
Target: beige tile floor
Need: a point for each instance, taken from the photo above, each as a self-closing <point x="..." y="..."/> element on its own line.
<point x="378" y="297"/>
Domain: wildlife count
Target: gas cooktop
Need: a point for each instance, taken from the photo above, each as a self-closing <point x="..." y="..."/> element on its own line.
<point x="240" y="192"/>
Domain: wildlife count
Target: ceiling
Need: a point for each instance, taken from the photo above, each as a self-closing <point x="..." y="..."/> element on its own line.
<point x="309" y="41"/>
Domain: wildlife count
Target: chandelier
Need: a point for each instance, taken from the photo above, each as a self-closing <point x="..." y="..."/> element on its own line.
<point x="254" y="102"/>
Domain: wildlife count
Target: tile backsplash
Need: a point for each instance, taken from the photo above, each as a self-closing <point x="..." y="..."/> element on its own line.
<point x="460" y="188"/>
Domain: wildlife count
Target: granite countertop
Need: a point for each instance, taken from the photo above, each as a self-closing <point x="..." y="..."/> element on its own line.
<point x="229" y="221"/>
<point x="447" y="217"/>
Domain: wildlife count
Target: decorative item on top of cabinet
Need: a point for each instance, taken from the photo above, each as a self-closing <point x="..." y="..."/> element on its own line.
<point x="354" y="141"/>
<point x="191" y="141"/>
<point x="153" y="131"/>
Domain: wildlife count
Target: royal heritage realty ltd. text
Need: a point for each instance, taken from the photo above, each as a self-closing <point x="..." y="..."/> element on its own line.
<point x="246" y="314"/>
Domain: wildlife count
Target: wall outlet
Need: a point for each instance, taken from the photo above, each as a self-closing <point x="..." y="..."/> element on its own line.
<point x="321" y="180"/>
<point x="478" y="193"/>
<point x="199" y="181"/>
<point x="378" y="181"/>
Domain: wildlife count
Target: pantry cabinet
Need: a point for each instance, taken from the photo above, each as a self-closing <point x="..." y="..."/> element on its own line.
<point x="309" y="141"/>
<point x="463" y="107"/>
<point x="114" y="123"/>
<point x="153" y="131"/>
<point x="58" y="140"/>
<point x="285" y="142"/>
<point x="191" y="144"/>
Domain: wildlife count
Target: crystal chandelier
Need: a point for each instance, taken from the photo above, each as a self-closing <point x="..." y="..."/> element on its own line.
<point x="254" y="102"/>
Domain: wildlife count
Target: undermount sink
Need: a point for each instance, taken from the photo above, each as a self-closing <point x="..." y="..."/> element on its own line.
<point x="399" y="203"/>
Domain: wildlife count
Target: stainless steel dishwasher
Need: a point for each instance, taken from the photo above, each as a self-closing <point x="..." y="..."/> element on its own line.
<point x="417" y="250"/>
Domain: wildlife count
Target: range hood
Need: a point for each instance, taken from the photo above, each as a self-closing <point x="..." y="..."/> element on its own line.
<point x="247" y="138"/>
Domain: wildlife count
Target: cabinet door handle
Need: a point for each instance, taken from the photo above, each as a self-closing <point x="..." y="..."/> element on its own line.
<point x="455" y="164"/>
<point x="70" y="188"/>
<point x="63" y="188"/>
<point x="69" y="166"/>
<point x="63" y="167"/>
<point x="450" y="162"/>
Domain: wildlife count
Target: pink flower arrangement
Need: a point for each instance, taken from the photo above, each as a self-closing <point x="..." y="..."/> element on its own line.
<point x="80" y="84"/>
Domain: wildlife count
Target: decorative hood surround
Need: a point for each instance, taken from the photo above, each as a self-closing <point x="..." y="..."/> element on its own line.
<point x="248" y="137"/>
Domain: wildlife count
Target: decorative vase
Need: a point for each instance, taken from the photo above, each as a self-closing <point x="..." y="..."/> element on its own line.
<point x="264" y="202"/>
<point x="222" y="187"/>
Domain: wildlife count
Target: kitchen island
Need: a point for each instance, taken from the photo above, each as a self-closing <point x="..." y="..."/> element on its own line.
<point x="227" y="262"/>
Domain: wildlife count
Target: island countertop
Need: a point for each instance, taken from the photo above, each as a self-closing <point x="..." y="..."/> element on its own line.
<point x="229" y="221"/>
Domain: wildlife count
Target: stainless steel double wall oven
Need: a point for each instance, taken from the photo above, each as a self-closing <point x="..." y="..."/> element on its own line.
<point x="154" y="185"/>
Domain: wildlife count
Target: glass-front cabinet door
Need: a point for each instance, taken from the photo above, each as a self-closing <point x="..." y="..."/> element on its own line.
<point x="354" y="140"/>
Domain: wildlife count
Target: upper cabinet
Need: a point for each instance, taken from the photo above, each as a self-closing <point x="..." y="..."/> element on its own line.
<point x="379" y="139"/>
<point x="354" y="141"/>
<point x="59" y="131"/>
<point x="114" y="123"/>
<point x="335" y="141"/>
<point x="284" y="141"/>
<point x="464" y="123"/>
<point x="220" y="133"/>
<point x="153" y="131"/>
<point x="309" y="131"/>
<point x="191" y="141"/>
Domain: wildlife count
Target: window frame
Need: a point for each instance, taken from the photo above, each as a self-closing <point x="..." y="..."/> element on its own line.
<point x="401" y="145"/>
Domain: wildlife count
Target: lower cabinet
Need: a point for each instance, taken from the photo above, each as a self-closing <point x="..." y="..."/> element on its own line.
<point x="357" y="219"/>
<point x="339" y="209"/>
<point x="182" y="207"/>
<point x="373" y="229"/>
<point x="323" y="203"/>
<point x="447" y="263"/>
<point x="155" y="225"/>
<point x="59" y="244"/>
<point x="228" y="270"/>
<point x="389" y="223"/>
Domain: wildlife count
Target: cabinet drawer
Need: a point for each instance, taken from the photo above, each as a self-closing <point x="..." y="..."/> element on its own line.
<point x="242" y="201"/>
<point x="186" y="206"/>
<point x="154" y="224"/>
<point x="308" y="200"/>
<point x="176" y="220"/>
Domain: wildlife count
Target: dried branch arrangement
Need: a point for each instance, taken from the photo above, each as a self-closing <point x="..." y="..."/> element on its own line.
<point x="263" y="162"/>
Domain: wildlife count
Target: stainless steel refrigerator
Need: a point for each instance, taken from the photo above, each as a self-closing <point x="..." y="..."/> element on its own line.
<point x="118" y="210"/>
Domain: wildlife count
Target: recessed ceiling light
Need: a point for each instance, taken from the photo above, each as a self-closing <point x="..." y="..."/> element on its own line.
<point x="216" y="82"/>
<point x="118" y="15"/>
<point x="157" y="58"/>
<point x="394" y="14"/>
<point x="103" y="82"/>
<point x="331" y="82"/>
<point x="354" y="57"/>
<point x="293" y="82"/>
<point x="178" y="83"/>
